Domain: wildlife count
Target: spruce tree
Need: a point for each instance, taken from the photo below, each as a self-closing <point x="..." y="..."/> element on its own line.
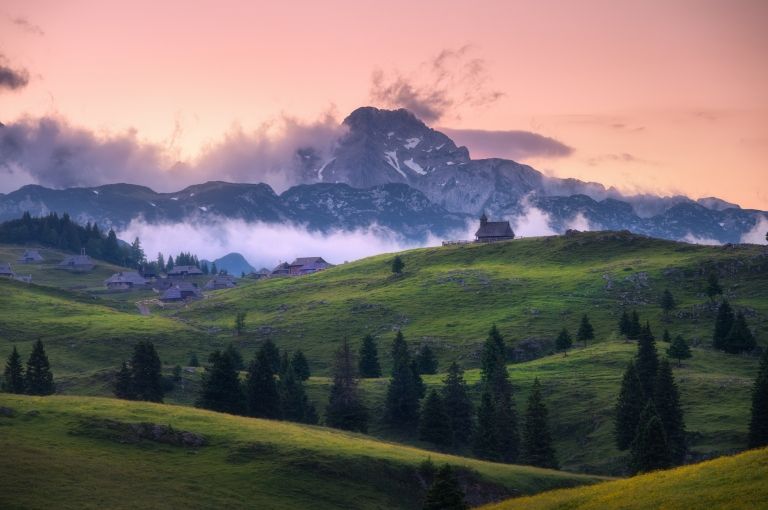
<point x="629" y="406"/>
<point x="667" y="303"/>
<point x="402" y="403"/>
<point x="294" y="404"/>
<point x="679" y="350"/>
<point x="650" y="450"/>
<point x="426" y="360"/>
<point x="193" y="362"/>
<point x="39" y="379"/>
<point x="13" y="376"/>
<point x="221" y="389"/>
<point x="285" y="362"/>
<point x="494" y="350"/>
<point x="563" y="342"/>
<point x="124" y="383"/>
<point x="421" y="388"/>
<point x="484" y="441"/>
<point x="300" y="365"/>
<point x="537" y="449"/>
<point x="723" y="324"/>
<point x="239" y="320"/>
<point x="234" y="354"/>
<point x="739" y="338"/>
<point x="397" y="265"/>
<point x="434" y="426"/>
<point x="586" y="331"/>
<point x="445" y="492"/>
<point x="625" y="324"/>
<point x="261" y="395"/>
<point x="758" y="423"/>
<point x="666" y="337"/>
<point x="713" y="287"/>
<point x="667" y="402"/>
<point x="345" y="409"/>
<point x="647" y="360"/>
<point x="458" y="405"/>
<point x="272" y="354"/>
<point x="146" y="372"/>
<point x="369" y="367"/>
<point x="635" y="329"/>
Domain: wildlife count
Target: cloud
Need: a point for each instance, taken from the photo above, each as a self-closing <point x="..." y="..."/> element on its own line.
<point x="451" y="80"/>
<point x="51" y="152"/>
<point x="694" y="239"/>
<point x="265" y="244"/>
<point x="623" y="157"/>
<point x="10" y="78"/>
<point x="757" y="234"/>
<point x="27" y="26"/>
<point x="531" y="221"/>
<point x="581" y="223"/>
<point x="517" y="145"/>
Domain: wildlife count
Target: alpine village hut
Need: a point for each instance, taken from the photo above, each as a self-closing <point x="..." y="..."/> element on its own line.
<point x="185" y="271"/>
<point x="125" y="280"/>
<point x="30" y="257"/>
<point x="77" y="263"/>
<point x="493" y="231"/>
<point x="6" y="271"/>
<point x="221" y="281"/>
<point x="181" y="291"/>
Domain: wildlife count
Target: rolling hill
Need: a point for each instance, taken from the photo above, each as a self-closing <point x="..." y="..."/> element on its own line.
<point x="91" y="453"/>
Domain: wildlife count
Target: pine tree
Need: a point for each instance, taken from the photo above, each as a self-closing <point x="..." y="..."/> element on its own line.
<point x="586" y="331"/>
<point x="458" y="405"/>
<point x="713" y="287"/>
<point x="667" y="402"/>
<point x="294" y="404"/>
<point x="635" y="329"/>
<point x="285" y="363"/>
<point x="629" y="406"/>
<point x="124" y="383"/>
<point x="345" y="409"/>
<point x="234" y="354"/>
<point x="647" y="360"/>
<point x="484" y="443"/>
<point x="537" y="449"/>
<point x="397" y="265"/>
<point x="723" y="324"/>
<point x="650" y="450"/>
<point x="445" y="492"/>
<point x="402" y="403"/>
<point x="272" y="354"/>
<point x="494" y="350"/>
<point x="239" y="323"/>
<point x="221" y="389"/>
<point x="739" y="338"/>
<point x="369" y="367"/>
<point x="563" y="342"/>
<point x="39" y="379"/>
<point x="679" y="350"/>
<point x="13" y="376"/>
<point x="193" y="362"/>
<point x="261" y="395"/>
<point x="300" y="365"/>
<point x="146" y="372"/>
<point x="667" y="303"/>
<point x="421" y="388"/>
<point x="434" y="426"/>
<point x="625" y="324"/>
<point x="758" y="424"/>
<point x="665" y="337"/>
<point x="426" y="360"/>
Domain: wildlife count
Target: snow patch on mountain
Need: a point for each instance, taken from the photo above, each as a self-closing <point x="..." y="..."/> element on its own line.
<point x="410" y="163"/>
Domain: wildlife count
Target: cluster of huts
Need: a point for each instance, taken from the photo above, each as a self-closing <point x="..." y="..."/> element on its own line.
<point x="28" y="257"/>
<point x="299" y="267"/>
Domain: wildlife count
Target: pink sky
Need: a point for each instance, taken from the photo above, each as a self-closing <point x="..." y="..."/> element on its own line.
<point x="667" y="96"/>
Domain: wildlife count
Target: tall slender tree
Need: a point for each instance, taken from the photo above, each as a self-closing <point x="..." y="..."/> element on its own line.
<point x="221" y="389"/>
<point x="123" y="387"/>
<point x="346" y="409"/>
<point x="537" y="449"/>
<point x="434" y="426"/>
<point x="484" y="442"/>
<point x="369" y="366"/>
<point x="300" y="365"/>
<point x="426" y="360"/>
<point x="713" y="287"/>
<point x="635" y="328"/>
<point x="402" y="403"/>
<point x="586" y="331"/>
<point x="494" y="354"/>
<point x="261" y="396"/>
<point x="625" y="324"/>
<point x="758" y="423"/>
<point x="458" y="404"/>
<point x="146" y="372"/>
<point x="647" y="360"/>
<point x="739" y="338"/>
<point x="563" y="342"/>
<point x="723" y="325"/>
<point x="445" y="492"/>
<point x="294" y="404"/>
<point x="629" y="406"/>
<point x="650" y="450"/>
<point x="667" y="303"/>
<point x="398" y="265"/>
<point x="39" y="377"/>
<point x="13" y="376"/>
<point x="667" y="402"/>
<point x="272" y="354"/>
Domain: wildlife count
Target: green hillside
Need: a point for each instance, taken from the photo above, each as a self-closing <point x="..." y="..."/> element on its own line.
<point x="82" y="453"/>
<point x="736" y="482"/>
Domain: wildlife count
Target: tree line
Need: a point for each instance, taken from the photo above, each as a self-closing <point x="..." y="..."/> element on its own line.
<point x="37" y="379"/>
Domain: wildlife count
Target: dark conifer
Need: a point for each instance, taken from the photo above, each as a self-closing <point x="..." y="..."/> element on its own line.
<point x="629" y="406"/>
<point x="625" y="324"/>
<point x="193" y="362"/>
<point x="667" y="303"/>
<point x="261" y="395"/>
<point x="665" y="337"/>
<point x="647" y="360"/>
<point x="239" y="318"/>
<point x="586" y="331"/>
<point x="679" y="350"/>
<point x="434" y="426"/>
<point x="39" y="379"/>
<point x="369" y="367"/>
<point x="426" y="360"/>
<point x="635" y="329"/>
<point x="234" y="354"/>
<point x="458" y="405"/>
<point x="667" y="402"/>
<point x="421" y="388"/>
<point x="563" y="342"/>
<point x="494" y="354"/>
<point x="221" y="389"/>
<point x="713" y="286"/>
<point x="124" y="383"/>
<point x="397" y="265"/>
<point x="13" y="376"/>
<point x="402" y="404"/>
<point x="650" y="450"/>
<point x="294" y="404"/>
<point x="272" y="354"/>
<point x="739" y="338"/>
<point x="723" y="325"/>
<point x="146" y="372"/>
<point x="537" y="449"/>
<point x="484" y="443"/>
<point x="758" y="423"/>
<point x="285" y="363"/>
<point x="300" y="365"/>
<point x="445" y="492"/>
<point x="345" y="409"/>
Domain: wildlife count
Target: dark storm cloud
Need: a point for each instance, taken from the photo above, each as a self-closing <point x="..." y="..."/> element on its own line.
<point x="10" y="78"/>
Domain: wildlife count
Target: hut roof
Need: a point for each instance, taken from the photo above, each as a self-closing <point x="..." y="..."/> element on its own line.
<point x="494" y="229"/>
